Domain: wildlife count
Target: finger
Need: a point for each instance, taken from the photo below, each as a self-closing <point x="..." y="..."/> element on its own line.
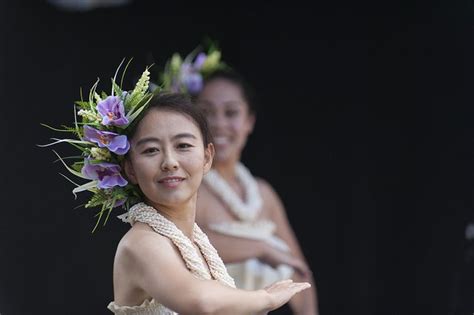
<point x="300" y="286"/>
<point x="285" y="282"/>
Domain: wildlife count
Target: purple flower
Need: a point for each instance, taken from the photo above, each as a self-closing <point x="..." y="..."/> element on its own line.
<point x="193" y="82"/>
<point x="190" y="79"/>
<point x="119" y="202"/>
<point x="112" y="111"/>
<point x="107" y="174"/>
<point x="105" y="139"/>
<point x="200" y="59"/>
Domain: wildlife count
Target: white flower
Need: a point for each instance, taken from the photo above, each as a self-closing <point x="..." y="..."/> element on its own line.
<point x="100" y="154"/>
<point x="89" y="115"/>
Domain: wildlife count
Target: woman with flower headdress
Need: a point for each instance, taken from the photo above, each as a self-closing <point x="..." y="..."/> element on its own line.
<point x="149" y="153"/>
<point x="243" y="215"/>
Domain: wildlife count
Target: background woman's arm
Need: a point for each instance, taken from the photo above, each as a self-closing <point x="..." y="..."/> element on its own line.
<point x="305" y="303"/>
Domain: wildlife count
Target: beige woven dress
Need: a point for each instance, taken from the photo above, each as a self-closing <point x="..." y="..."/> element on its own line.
<point x="146" y="214"/>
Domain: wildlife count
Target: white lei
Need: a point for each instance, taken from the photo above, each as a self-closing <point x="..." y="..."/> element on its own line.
<point x="246" y="210"/>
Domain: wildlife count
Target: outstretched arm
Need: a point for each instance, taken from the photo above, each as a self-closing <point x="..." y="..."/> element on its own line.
<point x="305" y="303"/>
<point x="158" y="269"/>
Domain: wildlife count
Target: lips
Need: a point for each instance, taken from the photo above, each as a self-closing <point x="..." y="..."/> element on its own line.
<point x="171" y="179"/>
<point x="221" y="140"/>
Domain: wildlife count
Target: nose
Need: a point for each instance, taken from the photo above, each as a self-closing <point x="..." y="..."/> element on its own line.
<point x="216" y="121"/>
<point x="169" y="163"/>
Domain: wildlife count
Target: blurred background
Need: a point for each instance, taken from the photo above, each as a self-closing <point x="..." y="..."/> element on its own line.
<point x="365" y="130"/>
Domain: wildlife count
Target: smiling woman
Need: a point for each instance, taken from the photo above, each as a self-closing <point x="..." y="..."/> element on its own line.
<point x="164" y="264"/>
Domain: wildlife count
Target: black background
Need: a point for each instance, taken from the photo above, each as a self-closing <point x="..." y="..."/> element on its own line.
<point x="365" y="130"/>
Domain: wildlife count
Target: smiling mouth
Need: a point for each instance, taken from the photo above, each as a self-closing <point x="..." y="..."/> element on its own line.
<point x="219" y="140"/>
<point x="170" y="180"/>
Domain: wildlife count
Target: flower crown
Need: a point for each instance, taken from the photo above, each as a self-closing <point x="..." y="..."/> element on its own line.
<point x="187" y="75"/>
<point x="102" y="139"/>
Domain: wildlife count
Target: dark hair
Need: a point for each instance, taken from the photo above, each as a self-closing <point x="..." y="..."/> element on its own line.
<point x="236" y="78"/>
<point x="179" y="103"/>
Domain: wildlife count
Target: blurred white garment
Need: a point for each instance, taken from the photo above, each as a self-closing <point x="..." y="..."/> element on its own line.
<point x="254" y="274"/>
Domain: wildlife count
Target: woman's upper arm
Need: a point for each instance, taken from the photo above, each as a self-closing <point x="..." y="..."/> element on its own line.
<point x="161" y="273"/>
<point x="278" y="215"/>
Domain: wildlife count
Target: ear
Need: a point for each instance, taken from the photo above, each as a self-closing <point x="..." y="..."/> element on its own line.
<point x="208" y="157"/>
<point x="129" y="171"/>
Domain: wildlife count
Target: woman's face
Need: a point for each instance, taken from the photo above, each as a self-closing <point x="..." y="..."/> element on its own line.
<point x="167" y="158"/>
<point x="229" y="118"/>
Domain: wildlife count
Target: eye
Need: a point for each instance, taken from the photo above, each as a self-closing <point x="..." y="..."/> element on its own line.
<point x="150" y="150"/>
<point x="184" y="145"/>
<point x="231" y="113"/>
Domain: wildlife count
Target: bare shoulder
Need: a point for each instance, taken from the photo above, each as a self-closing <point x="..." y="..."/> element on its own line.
<point x="145" y="262"/>
<point x="266" y="189"/>
<point x="138" y="242"/>
<point x="272" y="204"/>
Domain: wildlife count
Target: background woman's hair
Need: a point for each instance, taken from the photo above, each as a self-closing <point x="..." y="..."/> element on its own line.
<point x="233" y="76"/>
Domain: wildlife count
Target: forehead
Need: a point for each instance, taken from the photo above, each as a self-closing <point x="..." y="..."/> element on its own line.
<point x="221" y="92"/>
<point x="164" y="123"/>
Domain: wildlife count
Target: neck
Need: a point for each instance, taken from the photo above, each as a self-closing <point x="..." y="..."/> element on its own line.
<point x="183" y="215"/>
<point x="226" y="170"/>
<point x="237" y="188"/>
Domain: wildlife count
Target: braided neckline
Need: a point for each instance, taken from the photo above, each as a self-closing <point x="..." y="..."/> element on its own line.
<point x="144" y="213"/>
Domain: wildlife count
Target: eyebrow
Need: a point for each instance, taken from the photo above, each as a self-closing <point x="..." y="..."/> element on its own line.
<point x="175" y="137"/>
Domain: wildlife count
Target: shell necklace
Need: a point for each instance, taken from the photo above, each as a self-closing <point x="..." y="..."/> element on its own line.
<point x="245" y="210"/>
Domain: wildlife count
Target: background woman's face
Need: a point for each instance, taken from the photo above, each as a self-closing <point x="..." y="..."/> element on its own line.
<point x="228" y="116"/>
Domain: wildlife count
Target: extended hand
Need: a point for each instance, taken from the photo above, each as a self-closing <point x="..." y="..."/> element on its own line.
<point x="282" y="291"/>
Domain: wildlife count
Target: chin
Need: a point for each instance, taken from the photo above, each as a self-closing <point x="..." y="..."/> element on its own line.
<point x="222" y="157"/>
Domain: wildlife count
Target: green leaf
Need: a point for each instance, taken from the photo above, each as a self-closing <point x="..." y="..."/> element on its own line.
<point x="91" y="94"/>
<point x="82" y="104"/>
<point x="114" y="79"/>
<point x="78" y="174"/>
<point x="55" y="129"/>
<point x="117" y="89"/>
<point x="86" y="186"/>
<point x="124" y="71"/>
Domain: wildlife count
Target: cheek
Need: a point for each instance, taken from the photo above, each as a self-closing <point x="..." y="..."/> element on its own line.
<point x="237" y="123"/>
<point x="241" y="126"/>
<point x="193" y="162"/>
<point x="143" y="169"/>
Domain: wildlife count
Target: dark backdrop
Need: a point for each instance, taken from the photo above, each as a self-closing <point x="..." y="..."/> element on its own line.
<point x="365" y="130"/>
